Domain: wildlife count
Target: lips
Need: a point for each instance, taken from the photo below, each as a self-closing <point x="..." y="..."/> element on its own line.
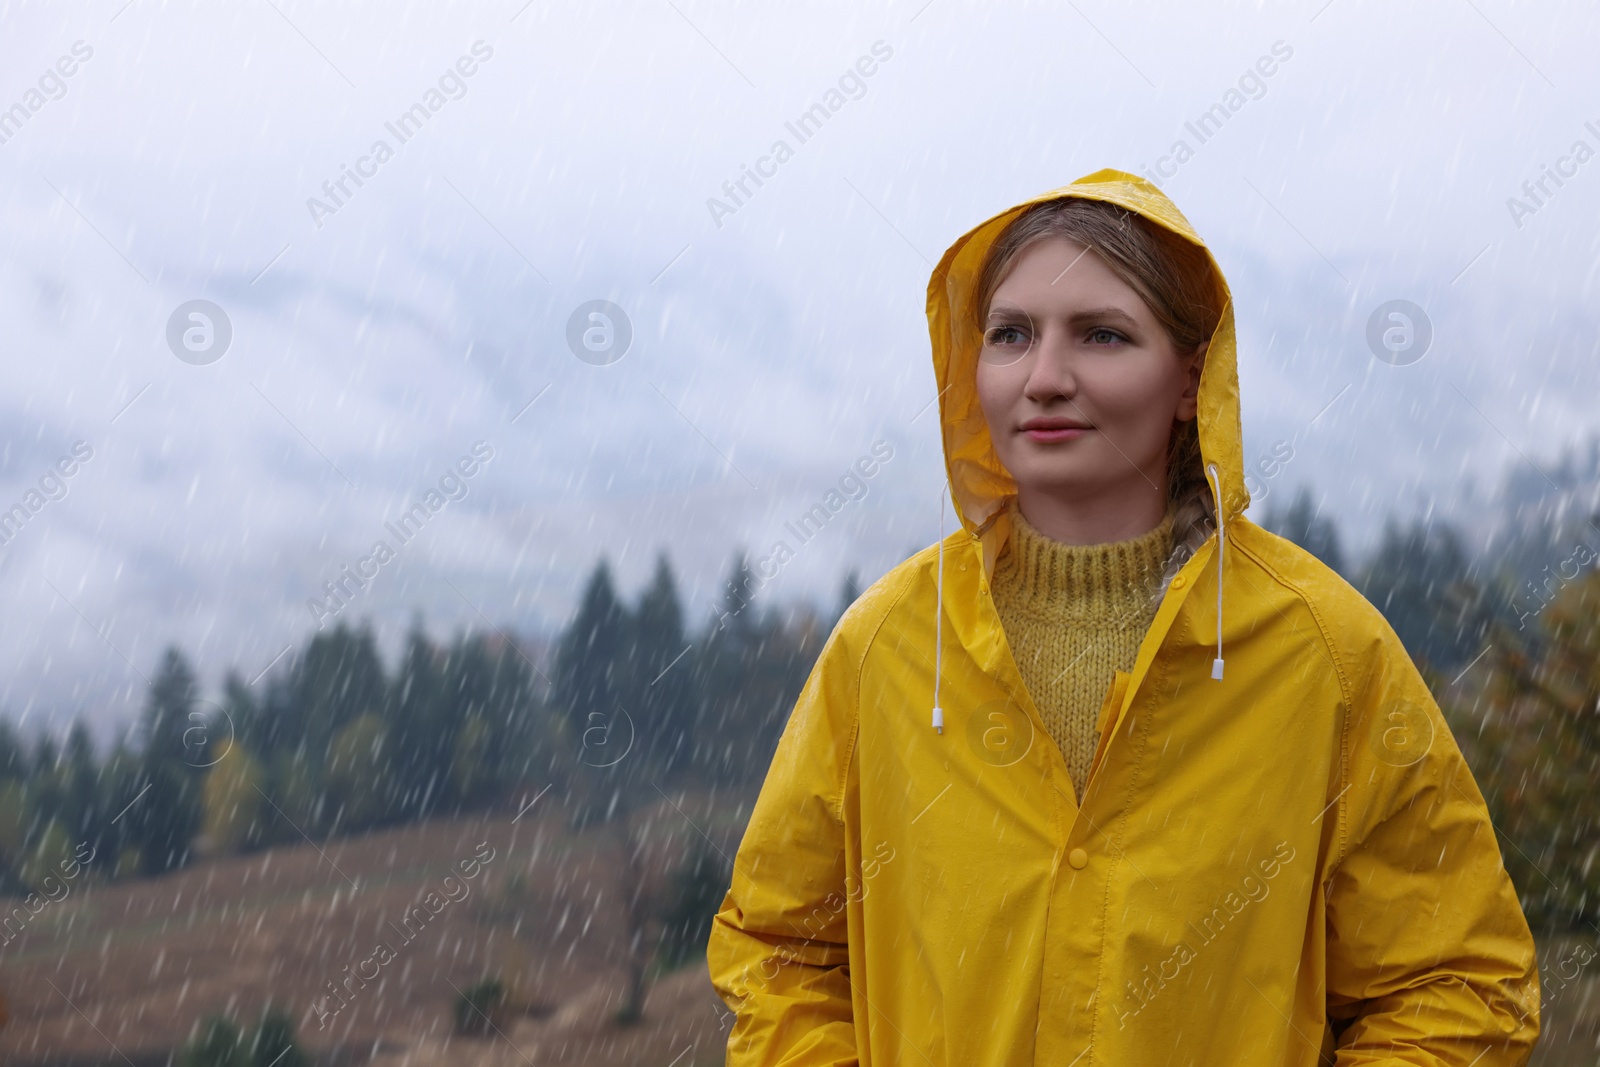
<point x="1051" y="430"/>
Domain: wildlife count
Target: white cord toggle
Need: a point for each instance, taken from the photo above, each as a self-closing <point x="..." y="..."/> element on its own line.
<point x="1222" y="545"/>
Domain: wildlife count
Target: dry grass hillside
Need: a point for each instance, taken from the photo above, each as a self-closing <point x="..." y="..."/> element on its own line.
<point x="120" y="973"/>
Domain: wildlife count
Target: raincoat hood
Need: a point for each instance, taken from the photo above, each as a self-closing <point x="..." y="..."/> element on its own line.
<point x="1289" y="866"/>
<point x="979" y="484"/>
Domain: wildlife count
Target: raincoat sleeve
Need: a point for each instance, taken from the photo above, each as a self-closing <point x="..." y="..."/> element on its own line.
<point x="777" y="953"/>
<point x="1429" y="957"/>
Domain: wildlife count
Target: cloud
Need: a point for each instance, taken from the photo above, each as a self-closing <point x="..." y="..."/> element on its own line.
<point x="767" y="354"/>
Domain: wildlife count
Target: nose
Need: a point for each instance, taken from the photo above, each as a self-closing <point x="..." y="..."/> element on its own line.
<point x="1051" y="374"/>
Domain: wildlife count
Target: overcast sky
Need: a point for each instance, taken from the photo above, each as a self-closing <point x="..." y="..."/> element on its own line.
<point x="379" y="334"/>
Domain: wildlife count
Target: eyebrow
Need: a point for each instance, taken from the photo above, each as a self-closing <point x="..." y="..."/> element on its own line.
<point x="1076" y="318"/>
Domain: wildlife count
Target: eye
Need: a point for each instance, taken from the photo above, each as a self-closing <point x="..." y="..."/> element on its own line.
<point x="1099" y="332"/>
<point x="997" y="336"/>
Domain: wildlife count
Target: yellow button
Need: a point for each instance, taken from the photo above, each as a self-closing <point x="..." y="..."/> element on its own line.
<point x="1078" y="858"/>
<point x="1179" y="582"/>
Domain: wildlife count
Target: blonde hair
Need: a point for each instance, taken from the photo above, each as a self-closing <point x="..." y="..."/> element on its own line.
<point x="1175" y="279"/>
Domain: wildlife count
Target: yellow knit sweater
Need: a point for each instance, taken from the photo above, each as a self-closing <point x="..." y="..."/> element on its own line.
<point x="1074" y="615"/>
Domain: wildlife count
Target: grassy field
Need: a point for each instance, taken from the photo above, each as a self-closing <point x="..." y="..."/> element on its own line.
<point x="118" y="974"/>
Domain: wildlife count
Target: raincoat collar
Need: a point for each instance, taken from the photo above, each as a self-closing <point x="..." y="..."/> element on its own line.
<point x="979" y="484"/>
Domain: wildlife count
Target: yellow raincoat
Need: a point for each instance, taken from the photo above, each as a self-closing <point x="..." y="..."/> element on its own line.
<point x="1289" y="864"/>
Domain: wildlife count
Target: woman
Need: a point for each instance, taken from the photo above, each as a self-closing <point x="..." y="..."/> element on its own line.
<point x="1113" y="775"/>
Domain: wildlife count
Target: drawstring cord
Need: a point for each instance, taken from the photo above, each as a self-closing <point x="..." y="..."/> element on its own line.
<point x="938" y="619"/>
<point x="1222" y="545"/>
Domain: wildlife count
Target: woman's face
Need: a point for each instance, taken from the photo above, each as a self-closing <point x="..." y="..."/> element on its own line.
<point x="1078" y="381"/>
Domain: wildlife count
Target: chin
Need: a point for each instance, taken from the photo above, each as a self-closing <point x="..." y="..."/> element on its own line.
<point x="1058" y="479"/>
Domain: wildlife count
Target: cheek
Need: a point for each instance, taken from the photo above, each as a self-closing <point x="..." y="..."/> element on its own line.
<point x="983" y="382"/>
<point x="1136" y="408"/>
<point x="997" y="395"/>
<point x="1140" y="395"/>
<point x="989" y="391"/>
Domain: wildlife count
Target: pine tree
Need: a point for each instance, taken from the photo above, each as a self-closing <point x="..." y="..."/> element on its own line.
<point x="588" y="684"/>
<point x="658" y="685"/>
<point x="13" y="755"/>
<point x="81" y="808"/>
<point x="46" y="789"/>
<point x="496" y="720"/>
<point x="738" y="590"/>
<point x="421" y="735"/>
<point x="167" y="817"/>
<point x="337" y="679"/>
<point x="751" y="666"/>
<point x="244" y="715"/>
<point x="46" y="756"/>
<point x="1415" y="579"/>
<point x="118" y="831"/>
<point x="169" y="708"/>
<point x="1302" y="524"/>
<point x="849" y="593"/>
<point x="599" y="674"/>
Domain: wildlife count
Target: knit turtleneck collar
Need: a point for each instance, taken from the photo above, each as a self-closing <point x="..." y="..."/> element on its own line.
<point x="1082" y="581"/>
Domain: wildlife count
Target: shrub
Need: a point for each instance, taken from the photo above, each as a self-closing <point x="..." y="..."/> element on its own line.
<point x="480" y="1008"/>
<point x="693" y="897"/>
<point x="219" y="1043"/>
<point x="273" y="1043"/>
<point x="216" y="1045"/>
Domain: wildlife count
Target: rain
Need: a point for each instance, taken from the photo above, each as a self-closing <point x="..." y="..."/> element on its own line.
<point x="442" y="441"/>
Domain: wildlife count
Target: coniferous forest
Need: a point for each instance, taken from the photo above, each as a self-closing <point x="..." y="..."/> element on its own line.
<point x="634" y="703"/>
<point x="340" y="742"/>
